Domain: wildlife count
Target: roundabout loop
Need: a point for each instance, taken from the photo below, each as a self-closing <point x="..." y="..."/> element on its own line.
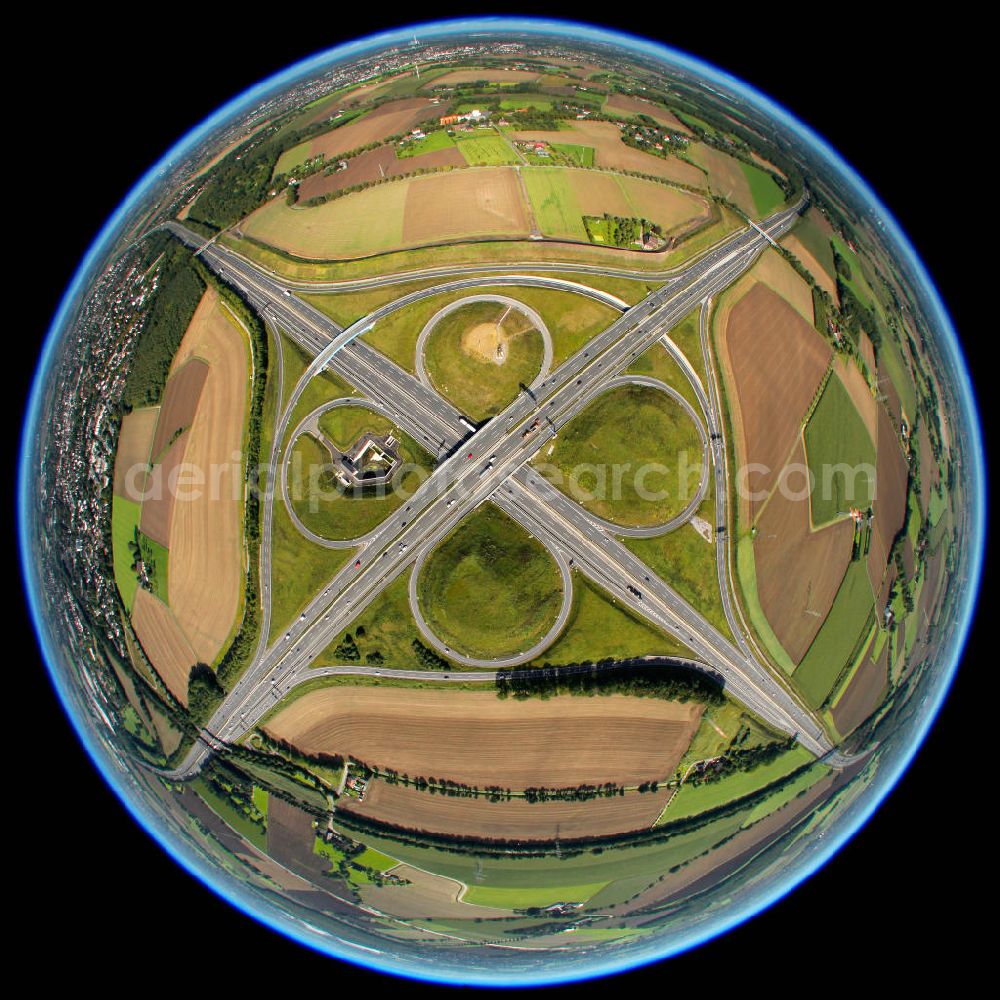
<point x="503" y="661"/>
<point x="688" y="512"/>
<point x="308" y="421"/>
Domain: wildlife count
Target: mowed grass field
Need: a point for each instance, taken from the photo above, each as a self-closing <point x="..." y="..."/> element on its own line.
<point x="561" y="196"/>
<point x="767" y="196"/>
<point x="692" y="799"/>
<point x="461" y="350"/>
<point x="479" y="739"/>
<point x="652" y="441"/>
<point x="841" y="455"/>
<point x="409" y="212"/>
<point x="835" y="643"/>
<point x="599" y="628"/>
<point x="487" y="150"/>
<point x="489" y="590"/>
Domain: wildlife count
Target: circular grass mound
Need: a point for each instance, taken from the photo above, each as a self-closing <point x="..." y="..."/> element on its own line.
<point x="480" y="354"/>
<point x="489" y="590"/>
<point x="325" y="507"/>
<point x="632" y="457"/>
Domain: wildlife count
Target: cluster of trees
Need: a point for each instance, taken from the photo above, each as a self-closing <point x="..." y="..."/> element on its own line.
<point x="179" y="288"/>
<point x="739" y="758"/>
<point x="347" y="649"/>
<point x="428" y="659"/>
<point x="581" y="793"/>
<point x="617" y="230"/>
<point x="664" y="679"/>
<point x="204" y="693"/>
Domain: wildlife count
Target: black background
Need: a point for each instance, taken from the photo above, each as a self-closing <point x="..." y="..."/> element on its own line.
<point x="115" y="90"/>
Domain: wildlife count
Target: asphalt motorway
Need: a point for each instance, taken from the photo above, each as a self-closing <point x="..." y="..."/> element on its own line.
<point x="459" y="484"/>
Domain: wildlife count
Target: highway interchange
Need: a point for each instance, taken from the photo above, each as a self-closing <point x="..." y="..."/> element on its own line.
<point x="497" y="471"/>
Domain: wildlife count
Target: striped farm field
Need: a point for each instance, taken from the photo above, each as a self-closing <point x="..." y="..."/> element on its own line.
<point x="392" y="118"/>
<point x="561" y="196"/>
<point x="458" y="206"/>
<point x="206" y="531"/>
<point x="773" y="362"/>
<point x="516" y="819"/>
<point x="470" y="736"/>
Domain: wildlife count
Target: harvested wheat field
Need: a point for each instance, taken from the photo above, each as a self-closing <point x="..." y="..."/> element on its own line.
<point x="180" y="402"/>
<point x="134" y="443"/>
<point x="773" y="361"/>
<point x="479" y="739"/>
<point x="465" y="204"/>
<point x="163" y="642"/>
<point x="798" y="570"/>
<point x="890" y="497"/>
<point x="412" y="211"/>
<point x="798" y="249"/>
<point x="637" y="106"/>
<point x="161" y="492"/>
<point x="774" y="271"/>
<point x="516" y="819"/>
<point x="206" y="533"/>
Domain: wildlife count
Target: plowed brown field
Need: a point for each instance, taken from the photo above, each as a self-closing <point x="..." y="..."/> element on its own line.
<point x="798" y="571"/>
<point x="391" y="118"/>
<point x="513" y="820"/>
<point x="374" y="164"/>
<point x="890" y="497"/>
<point x="774" y="361"/>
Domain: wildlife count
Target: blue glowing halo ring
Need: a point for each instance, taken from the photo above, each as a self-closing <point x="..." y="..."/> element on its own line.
<point x="584" y="966"/>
